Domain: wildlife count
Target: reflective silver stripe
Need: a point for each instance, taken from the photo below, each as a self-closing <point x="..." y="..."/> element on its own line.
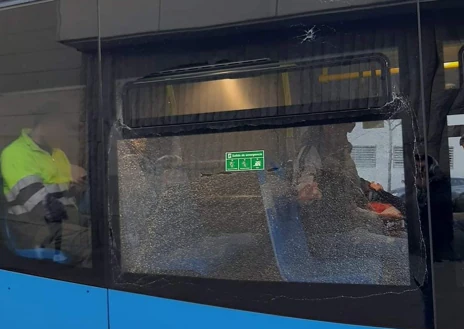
<point x="63" y="187"/>
<point x="68" y="201"/>
<point x="56" y="188"/>
<point x="35" y="199"/>
<point x="39" y="196"/>
<point x="29" y="180"/>
<point x="17" y="210"/>
<point x="22" y="184"/>
<point x="21" y="210"/>
<point x="29" y="204"/>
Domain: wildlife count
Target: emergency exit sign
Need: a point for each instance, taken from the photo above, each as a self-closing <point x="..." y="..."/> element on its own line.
<point x="245" y="161"/>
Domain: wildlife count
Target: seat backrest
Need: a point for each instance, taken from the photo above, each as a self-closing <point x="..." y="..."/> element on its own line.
<point x="288" y="237"/>
<point x="290" y="243"/>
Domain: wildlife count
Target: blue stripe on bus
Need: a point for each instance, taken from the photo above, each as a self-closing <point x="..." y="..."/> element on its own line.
<point x="38" y="303"/>
<point x="29" y="302"/>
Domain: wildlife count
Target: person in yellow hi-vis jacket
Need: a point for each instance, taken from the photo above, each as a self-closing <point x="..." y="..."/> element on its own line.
<point x="40" y="186"/>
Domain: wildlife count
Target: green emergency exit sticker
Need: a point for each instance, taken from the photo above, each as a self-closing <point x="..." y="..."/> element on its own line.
<point x="245" y="161"/>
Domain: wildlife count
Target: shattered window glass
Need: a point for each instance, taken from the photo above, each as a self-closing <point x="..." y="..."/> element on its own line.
<point x="189" y="223"/>
<point x="309" y="214"/>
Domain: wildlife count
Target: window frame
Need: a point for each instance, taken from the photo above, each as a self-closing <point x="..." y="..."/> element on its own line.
<point x="241" y="69"/>
<point x="193" y="289"/>
<point x="461" y="66"/>
<point x="223" y="292"/>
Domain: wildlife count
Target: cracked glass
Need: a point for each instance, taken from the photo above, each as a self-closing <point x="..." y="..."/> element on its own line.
<point x="317" y="217"/>
<point x="307" y="166"/>
<point x="332" y="219"/>
<point x="321" y="185"/>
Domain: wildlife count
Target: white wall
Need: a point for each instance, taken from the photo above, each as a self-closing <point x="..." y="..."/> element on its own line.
<point x="379" y="137"/>
<point x="458" y="169"/>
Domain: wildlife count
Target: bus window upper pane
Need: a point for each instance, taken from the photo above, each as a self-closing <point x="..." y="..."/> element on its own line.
<point x="360" y="84"/>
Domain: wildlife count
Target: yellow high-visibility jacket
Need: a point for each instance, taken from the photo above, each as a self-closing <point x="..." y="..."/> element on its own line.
<point x="30" y="174"/>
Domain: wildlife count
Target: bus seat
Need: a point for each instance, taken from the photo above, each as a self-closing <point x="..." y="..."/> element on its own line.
<point x="291" y="250"/>
<point x="56" y="256"/>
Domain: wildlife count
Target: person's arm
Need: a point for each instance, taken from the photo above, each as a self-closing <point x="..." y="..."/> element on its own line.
<point x="78" y="183"/>
<point x="393" y="200"/>
<point x="307" y="164"/>
<point x="385" y="197"/>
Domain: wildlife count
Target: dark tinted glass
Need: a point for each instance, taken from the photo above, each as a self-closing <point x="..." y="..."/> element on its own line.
<point x="45" y="216"/>
<point x="443" y="38"/>
<point x="336" y="84"/>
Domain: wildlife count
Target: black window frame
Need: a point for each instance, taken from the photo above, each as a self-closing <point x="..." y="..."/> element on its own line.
<point x="461" y="66"/>
<point x="448" y="292"/>
<point x="242" y="69"/>
<point x="251" y="296"/>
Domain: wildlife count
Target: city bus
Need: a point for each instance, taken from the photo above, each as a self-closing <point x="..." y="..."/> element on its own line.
<point x="240" y="163"/>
